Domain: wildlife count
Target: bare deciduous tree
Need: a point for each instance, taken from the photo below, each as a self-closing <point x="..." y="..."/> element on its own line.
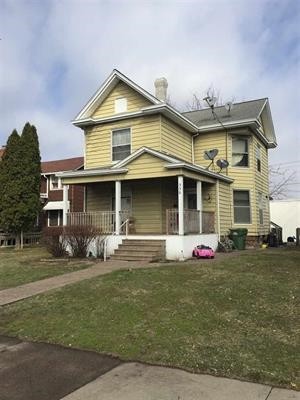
<point x="280" y="179"/>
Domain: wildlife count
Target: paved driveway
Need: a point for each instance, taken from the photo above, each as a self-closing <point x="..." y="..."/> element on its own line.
<point x="37" y="371"/>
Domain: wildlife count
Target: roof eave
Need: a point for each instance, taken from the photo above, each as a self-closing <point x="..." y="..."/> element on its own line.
<point x="85" y="173"/>
<point x="199" y="170"/>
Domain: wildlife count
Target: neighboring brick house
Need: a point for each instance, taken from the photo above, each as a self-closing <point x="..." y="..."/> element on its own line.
<point x="52" y="192"/>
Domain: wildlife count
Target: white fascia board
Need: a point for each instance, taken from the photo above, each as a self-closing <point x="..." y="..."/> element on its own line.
<point x="200" y="170"/>
<point x="107" y="85"/>
<point x="173" y="114"/>
<point x="81" y="174"/>
<point x="93" y="121"/>
<point x="226" y="124"/>
<point x="141" y="151"/>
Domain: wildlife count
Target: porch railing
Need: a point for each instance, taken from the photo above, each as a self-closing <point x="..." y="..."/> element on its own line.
<point x="103" y="220"/>
<point x="191" y="221"/>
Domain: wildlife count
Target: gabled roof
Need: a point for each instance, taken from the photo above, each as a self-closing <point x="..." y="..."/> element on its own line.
<point x="107" y="86"/>
<point x="173" y="162"/>
<point x="67" y="164"/>
<point x="240" y="111"/>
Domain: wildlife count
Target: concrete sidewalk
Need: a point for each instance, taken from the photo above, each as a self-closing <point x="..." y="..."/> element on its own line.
<point x="12" y="295"/>
<point x="41" y="371"/>
<point x="134" y="381"/>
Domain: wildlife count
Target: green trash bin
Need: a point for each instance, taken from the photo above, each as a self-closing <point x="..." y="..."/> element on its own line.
<point x="238" y="236"/>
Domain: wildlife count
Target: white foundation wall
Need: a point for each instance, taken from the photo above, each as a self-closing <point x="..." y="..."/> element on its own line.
<point x="178" y="247"/>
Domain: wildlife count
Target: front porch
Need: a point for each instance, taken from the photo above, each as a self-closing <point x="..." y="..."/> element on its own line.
<point x="168" y="206"/>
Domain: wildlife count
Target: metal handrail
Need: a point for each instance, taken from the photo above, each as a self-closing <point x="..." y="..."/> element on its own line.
<point x="126" y="223"/>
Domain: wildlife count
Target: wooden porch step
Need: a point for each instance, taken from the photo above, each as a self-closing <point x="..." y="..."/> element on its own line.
<point x="140" y="249"/>
<point x="133" y="257"/>
<point x="135" y="247"/>
<point x="144" y="242"/>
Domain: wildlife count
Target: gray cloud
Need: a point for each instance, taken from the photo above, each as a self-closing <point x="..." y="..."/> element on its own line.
<point x="54" y="55"/>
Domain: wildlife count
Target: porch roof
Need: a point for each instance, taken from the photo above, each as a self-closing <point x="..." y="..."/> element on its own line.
<point x="129" y="169"/>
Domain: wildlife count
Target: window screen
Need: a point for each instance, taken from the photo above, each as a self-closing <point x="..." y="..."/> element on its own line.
<point x="241" y="205"/>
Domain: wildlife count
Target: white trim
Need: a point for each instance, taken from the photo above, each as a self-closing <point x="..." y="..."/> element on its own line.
<point x="141" y="151"/>
<point x="59" y="184"/>
<point x="114" y="78"/>
<point x="200" y="170"/>
<point x="180" y="191"/>
<point x="118" y="196"/>
<point x="115" y="162"/>
<point x="250" y="207"/>
<point x="92" y="172"/>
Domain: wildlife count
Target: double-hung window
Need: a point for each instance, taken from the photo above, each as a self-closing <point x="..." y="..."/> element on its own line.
<point x="55" y="183"/>
<point x="240" y="152"/>
<point x="121" y="144"/>
<point x="241" y="206"/>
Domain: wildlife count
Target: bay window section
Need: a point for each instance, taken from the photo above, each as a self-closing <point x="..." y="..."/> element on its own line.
<point x="241" y="206"/>
<point x="240" y="152"/>
<point x="121" y="144"/>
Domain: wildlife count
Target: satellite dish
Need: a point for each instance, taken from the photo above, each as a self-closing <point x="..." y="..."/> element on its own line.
<point x="222" y="163"/>
<point x="229" y="106"/>
<point x="210" y="154"/>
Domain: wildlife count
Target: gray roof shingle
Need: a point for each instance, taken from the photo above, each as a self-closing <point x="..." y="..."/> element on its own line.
<point x="240" y="111"/>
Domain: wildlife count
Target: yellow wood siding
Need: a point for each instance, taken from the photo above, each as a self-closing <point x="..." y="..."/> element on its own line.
<point x="145" y="131"/>
<point x="169" y="198"/>
<point x="175" y="140"/>
<point x="208" y="141"/>
<point x="262" y="186"/>
<point x="245" y="178"/>
<point x="146" y="206"/>
<point x="135" y="101"/>
<point x="98" y="196"/>
<point x="225" y="208"/>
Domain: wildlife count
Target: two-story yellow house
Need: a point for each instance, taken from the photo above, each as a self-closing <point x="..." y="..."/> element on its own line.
<point x="146" y="176"/>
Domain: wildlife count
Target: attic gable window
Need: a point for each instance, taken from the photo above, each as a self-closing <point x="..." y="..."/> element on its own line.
<point x="120" y="105"/>
<point x="121" y="144"/>
<point x="240" y="152"/>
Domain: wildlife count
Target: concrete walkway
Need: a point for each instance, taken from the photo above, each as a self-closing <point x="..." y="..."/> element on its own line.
<point x="12" y="295"/>
<point x="135" y="381"/>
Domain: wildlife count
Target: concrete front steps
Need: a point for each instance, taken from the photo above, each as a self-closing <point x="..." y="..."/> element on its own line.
<point x="140" y="250"/>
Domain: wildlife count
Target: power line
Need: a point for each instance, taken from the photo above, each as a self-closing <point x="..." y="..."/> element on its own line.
<point x="285" y="163"/>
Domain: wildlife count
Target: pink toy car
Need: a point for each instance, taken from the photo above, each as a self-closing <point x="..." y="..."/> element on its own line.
<point x="203" y="252"/>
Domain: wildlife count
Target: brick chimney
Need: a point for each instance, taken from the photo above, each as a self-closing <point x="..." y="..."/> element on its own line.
<point x="161" y="85"/>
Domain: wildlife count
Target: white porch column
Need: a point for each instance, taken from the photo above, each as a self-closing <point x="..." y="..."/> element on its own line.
<point x="65" y="204"/>
<point x="199" y="203"/>
<point x="180" y="206"/>
<point x="118" y="206"/>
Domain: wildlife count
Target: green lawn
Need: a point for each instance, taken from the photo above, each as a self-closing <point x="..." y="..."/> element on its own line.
<point x="236" y="317"/>
<point x="23" y="266"/>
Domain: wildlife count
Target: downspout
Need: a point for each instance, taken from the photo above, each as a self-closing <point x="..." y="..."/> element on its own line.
<point x="218" y="209"/>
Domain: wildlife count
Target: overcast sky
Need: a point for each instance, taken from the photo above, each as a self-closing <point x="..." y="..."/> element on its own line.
<point x="55" y="54"/>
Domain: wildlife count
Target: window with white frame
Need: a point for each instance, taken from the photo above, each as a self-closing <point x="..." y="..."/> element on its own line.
<point x="55" y="217"/>
<point x="120" y="105"/>
<point x="241" y="207"/>
<point x="261" y="208"/>
<point x="121" y="144"/>
<point x="258" y="158"/>
<point x="55" y="183"/>
<point x="240" y="152"/>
